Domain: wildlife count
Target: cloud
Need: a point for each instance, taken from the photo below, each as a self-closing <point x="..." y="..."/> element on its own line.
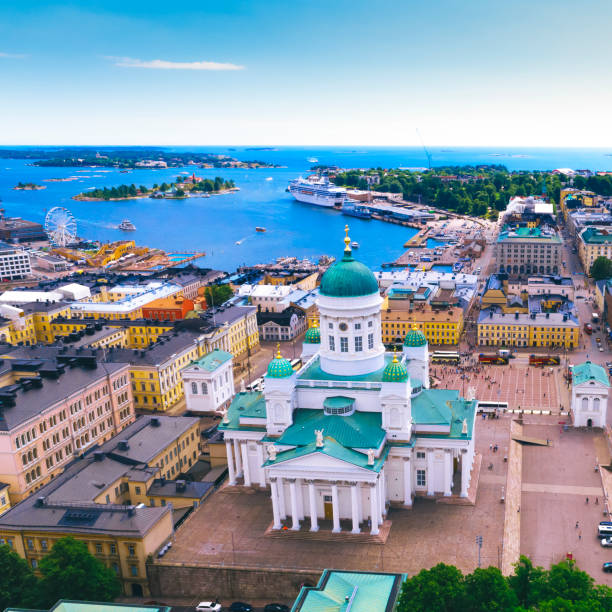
<point x="129" y="62"/>
<point x="12" y="55"/>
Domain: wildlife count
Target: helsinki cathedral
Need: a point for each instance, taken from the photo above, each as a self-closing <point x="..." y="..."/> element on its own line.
<point x="354" y="430"/>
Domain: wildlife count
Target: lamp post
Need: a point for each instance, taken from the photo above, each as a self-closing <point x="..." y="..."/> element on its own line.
<point x="479" y="544"/>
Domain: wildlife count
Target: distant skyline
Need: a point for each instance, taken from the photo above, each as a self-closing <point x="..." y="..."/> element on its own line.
<point x="334" y="72"/>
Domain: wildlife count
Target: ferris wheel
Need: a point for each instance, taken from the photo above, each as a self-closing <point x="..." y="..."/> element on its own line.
<point x="60" y="226"/>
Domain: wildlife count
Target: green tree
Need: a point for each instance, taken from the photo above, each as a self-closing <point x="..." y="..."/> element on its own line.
<point x="487" y="590"/>
<point x="601" y="268"/>
<point x="17" y="581"/>
<point x="527" y="582"/>
<point x="70" y="571"/>
<point x="440" y="588"/>
<point x="180" y="193"/>
<point x="217" y="294"/>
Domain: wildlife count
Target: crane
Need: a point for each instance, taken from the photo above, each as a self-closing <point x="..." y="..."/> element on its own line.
<point x="425" y="149"/>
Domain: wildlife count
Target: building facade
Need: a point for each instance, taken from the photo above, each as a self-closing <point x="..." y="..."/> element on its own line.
<point x="594" y="242"/>
<point x="356" y="428"/>
<point x="590" y="390"/>
<point x="209" y="382"/>
<point x="520" y="251"/>
<point x="14" y="263"/>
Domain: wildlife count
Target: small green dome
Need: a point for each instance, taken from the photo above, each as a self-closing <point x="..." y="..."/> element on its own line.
<point x="279" y="367"/>
<point x="415" y="337"/>
<point x="348" y="277"/>
<point x="313" y="335"/>
<point x="395" y="372"/>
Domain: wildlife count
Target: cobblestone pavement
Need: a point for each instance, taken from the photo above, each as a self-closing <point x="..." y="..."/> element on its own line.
<point x="228" y="529"/>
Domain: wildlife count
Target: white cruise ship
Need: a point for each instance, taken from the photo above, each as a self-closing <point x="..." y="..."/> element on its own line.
<point x="317" y="190"/>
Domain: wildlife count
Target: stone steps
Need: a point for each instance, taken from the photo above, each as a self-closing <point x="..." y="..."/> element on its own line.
<point x="325" y="533"/>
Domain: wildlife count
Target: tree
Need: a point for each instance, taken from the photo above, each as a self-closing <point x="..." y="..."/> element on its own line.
<point x="527" y="582"/>
<point x="440" y="588"/>
<point x="17" y="581"/>
<point x="601" y="268"/>
<point x="70" y="571"/>
<point x="486" y="589"/>
<point x="217" y="294"/>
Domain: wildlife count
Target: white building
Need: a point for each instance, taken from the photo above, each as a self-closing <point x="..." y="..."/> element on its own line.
<point x="590" y="388"/>
<point x="356" y="428"/>
<point x="209" y="382"/>
<point x="14" y="262"/>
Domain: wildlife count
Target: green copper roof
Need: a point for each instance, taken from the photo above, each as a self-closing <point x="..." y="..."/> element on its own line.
<point x="348" y="278"/>
<point x="280" y="367"/>
<point x="395" y="372"/>
<point x="368" y="592"/>
<point x="333" y="449"/>
<point x="358" y="430"/>
<point x="213" y="360"/>
<point x="415" y="337"/>
<point x="249" y="404"/>
<point x="313" y="336"/>
<point x="584" y="372"/>
<point x="314" y="372"/>
<point x="443" y="407"/>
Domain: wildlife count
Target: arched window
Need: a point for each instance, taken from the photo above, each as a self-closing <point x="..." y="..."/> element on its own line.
<point x="278" y="412"/>
<point x="596" y="405"/>
<point x="194" y="388"/>
<point x="395" y="418"/>
<point x="585" y="403"/>
<point x="28" y="478"/>
<point x="204" y="388"/>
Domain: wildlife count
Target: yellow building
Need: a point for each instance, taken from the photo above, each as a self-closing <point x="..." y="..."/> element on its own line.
<point x="548" y="330"/>
<point x="439" y="326"/>
<point x="594" y="242"/>
<point x="5" y="500"/>
<point x="118" y="500"/>
<point x="570" y="198"/>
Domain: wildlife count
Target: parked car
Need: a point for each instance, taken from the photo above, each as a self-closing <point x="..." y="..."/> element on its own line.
<point x="276" y="607"/>
<point x="606" y="541"/>
<point x="240" y="606"/>
<point x="607" y="566"/>
<point x="208" y="606"/>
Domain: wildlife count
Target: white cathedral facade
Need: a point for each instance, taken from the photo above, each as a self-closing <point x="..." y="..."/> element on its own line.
<point x="356" y="428"/>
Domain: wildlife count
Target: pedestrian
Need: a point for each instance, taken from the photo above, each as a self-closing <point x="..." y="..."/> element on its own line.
<point x="580" y="536"/>
<point x="491" y="446"/>
<point x="596" y="500"/>
<point x="587" y="501"/>
<point x="576" y="524"/>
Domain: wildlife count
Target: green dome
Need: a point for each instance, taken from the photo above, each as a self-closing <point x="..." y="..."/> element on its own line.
<point x="313" y="335"/>
<point x="395" y="372"/>
<point x="280" y="367"/>
<point x="415" y="337"/>
<point x="348" y="278"/>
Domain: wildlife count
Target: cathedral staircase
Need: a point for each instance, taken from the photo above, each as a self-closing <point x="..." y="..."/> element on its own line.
<point x="325" y="533"/>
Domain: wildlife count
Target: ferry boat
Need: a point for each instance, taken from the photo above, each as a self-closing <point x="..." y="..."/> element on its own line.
<point x="353" y="209"/>
<point x="127" y="226"/>
<point x="354" y="244"/>
<point x="318" y="191"/>
<point x="260" y="229"/>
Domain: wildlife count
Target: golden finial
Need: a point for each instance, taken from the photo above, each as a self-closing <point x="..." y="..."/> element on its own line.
<point x="278" y="353"/>
<point x="347" y="240"/>
<point x="395" y="355"/>
<point x="315" y="323"/>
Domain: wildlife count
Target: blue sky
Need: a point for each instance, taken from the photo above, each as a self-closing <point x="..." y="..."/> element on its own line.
<point x="298" y="72"/>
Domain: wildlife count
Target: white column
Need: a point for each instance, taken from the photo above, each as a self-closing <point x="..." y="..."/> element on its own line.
<point x="230" y="462"/>
<point x="448" y="473"/>
<point x="335" y="508"/>
<point x="355" y="506"/>
<point x="238" y="457"/>
<point x="373" y="509"/>
<point x="383" y="494"/>
<point x="281" y="497"/>
<point x="275" y="508"/>
<point x="314" y="522"/>
<point x="360" y="512"/>
<point x="245" y="464"/>
<point x="295" y="524"/>
<point x="465" y="472"/>
<point x="407" y="482"/>
<point x="260" y="460"/>
<point x="300" y="499"/>
<point x="430" y="471"/>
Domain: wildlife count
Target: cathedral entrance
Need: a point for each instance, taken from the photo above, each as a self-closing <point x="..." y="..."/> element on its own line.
<point x="328" y="508"/>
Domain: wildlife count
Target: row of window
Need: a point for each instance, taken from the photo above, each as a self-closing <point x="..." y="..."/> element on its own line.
<point x="344" y="343"/>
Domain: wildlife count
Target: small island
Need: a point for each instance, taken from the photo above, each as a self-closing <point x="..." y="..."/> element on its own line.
<point x="183" y="187"/>
<point x="28" y="187"/>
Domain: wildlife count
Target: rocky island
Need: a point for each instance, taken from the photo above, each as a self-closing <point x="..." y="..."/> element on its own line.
<point x="28" y="187"/>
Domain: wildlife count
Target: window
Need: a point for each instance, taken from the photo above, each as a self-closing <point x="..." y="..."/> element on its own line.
<point x="420" y="455"/>
<point x="332" y="343"/>
<point x="343" y="345"/>
<point x="131" y="549"/>
<point x="370" y="341"/>
<point x="34" y="563"/>
<point x="204" y="388"/>
<point x="358" y="344"/>
<point x="137" y="489"/>
<point x="99" y="548"/>
<point x="330" y="325"/>
<point x="43" y="544"/>
<point x="357" y="325"/>
<point x="420" y="478"/>
<point x="113" y="548"/>
<point x="134" y="570"/>
<point x="194" y="388"/>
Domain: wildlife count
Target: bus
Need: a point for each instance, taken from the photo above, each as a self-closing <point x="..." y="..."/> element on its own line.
<point x="296" y="364"/>
<point x="492" y="407"/>
<point x="445" y="357"/>
<point x="494" y="359"/>
<point x="544" y="360"/>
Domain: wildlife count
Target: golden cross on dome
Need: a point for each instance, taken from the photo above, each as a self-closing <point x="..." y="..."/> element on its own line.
<point x="278" y="353"/>
<point x="347" y="240"/>
<point x="395" y="355"/>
